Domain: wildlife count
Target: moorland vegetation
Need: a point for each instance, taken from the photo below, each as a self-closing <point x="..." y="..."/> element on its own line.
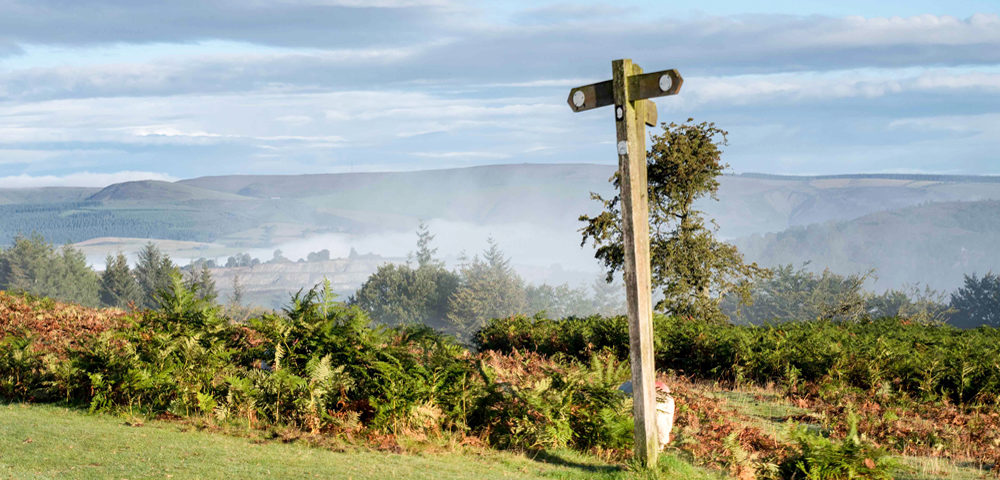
<point x="322" y="369"/>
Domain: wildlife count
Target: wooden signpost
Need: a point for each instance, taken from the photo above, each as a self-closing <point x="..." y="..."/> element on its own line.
<point x="629" y="90"/>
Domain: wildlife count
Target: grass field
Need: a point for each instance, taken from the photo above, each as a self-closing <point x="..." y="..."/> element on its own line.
<point x="42" y="441"/>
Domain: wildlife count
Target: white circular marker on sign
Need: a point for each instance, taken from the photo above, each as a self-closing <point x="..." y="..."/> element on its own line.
<point x="623" y="148"/>
<point x="665" y="82"/>
<point x="579" y="98"/>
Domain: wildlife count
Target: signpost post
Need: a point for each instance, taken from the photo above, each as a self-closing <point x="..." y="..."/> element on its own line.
<point x="629" y="90"/>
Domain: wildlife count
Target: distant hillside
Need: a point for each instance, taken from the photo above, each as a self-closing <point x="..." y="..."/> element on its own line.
<point x="10" y="196"/>
<point x="540" y="202"/>
<point x="258" y="210"/>
<point x="482" y="195"/>
<point x="756" y="203"/>
<point x="934" y="244"/>
<point x="158" y="191"/>
<point x="489" y="177"/>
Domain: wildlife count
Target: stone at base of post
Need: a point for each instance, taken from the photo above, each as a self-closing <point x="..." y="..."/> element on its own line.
<point x="664" y="414"/>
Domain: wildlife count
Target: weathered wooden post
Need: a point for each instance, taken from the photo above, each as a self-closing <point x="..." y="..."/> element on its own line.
<point x="629" y="90"/>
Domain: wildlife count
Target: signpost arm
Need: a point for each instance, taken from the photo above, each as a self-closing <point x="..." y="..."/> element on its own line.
<point x="630" y="119"/>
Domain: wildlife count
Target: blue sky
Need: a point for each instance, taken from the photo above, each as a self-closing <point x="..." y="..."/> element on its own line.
<point x="94" y="92"/>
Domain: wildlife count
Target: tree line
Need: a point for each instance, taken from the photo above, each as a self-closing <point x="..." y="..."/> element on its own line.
<point x="36" y="267"/>
<point x="483" y="287"/>
<point x="461" y="301"/>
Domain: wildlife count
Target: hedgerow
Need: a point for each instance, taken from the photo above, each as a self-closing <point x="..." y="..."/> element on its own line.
<point x="925" y="362"/>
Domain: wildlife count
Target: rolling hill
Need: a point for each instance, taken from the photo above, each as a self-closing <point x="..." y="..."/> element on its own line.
<point x="900" y="224"/>
<point x="159" y="191"/>
<point x="934" y="244"/>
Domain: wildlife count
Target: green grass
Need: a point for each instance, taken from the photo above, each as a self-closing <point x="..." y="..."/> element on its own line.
<point x="41" y="441"/>
<point x="925" y="468"/>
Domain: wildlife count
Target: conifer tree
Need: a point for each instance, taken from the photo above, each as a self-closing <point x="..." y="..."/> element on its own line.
<point x="236" y="298"/>
<point x="153" y="272"/>
<point x="400" y="294"/>
<point x="118" y="286"/>
<point x="200" y="281"/>
<point x="78" y="282"/>
<point x="977" y="302"/>
<point x="425" y="254"/>
<point x="27" y="266"/>
<point x="489" y="289"/>
<point x="33" y="266"/>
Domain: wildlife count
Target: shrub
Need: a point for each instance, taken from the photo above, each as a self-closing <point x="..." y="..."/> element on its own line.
<point x="928" y="361"/>
<point x="821" y="458"/>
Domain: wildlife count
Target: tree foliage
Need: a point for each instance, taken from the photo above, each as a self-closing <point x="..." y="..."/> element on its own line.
<point x="403" y="295"/>
<point x="799" y="294"/>
<point x="119" y="287"/>
<point x="425" y="255"/>
<point x="691" y="268"/>
<point x="563" y="300"/>
<point x="199" y="279"/>
<point x="320" y="256"/>
<point x="460" y="302"/>
<point x="977" y="302"/>
<point x="153" y="272"/>
<point x="34" y="266"/>
<point x="241" y="260"/>
<point x="489" y="288"/>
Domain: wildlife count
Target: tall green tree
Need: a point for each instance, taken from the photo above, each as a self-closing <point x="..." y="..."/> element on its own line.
<point x="118" y="286"/>
<point x="239" y="291"/>
<point x="977" y="302"/>
<point x="798" y="294"/>
<point x="79" y="283"/>
<point x="401" y="294"/>
<point x="558" y="301"/>
<point x="490" y="288"/>
<point x="153" y="272"/>
<point x="691" y="268"/>
<point x="34" y="266"/>
<point x="199" y="279"/>
<point x="27" y="266"/>
<point x="425" y="255"/>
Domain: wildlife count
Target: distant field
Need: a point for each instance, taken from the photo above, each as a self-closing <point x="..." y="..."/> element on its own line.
<point x="97" y="248"/>
<point x="41" y="441"/>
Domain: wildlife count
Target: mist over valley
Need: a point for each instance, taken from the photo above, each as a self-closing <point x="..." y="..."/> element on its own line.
<point x="911" y="229"/>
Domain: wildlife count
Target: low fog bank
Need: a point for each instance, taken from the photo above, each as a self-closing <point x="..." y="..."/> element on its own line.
<point x="911" y="229"/>
<point x="539" y="254"/>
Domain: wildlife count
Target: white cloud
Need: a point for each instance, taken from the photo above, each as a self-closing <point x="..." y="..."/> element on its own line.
<point x="260" y="119"/>
<point x="80" y="179"/>
<point x="823" y="86"/>
<point x="226" y="95"/>
<point x="985" y="126"/>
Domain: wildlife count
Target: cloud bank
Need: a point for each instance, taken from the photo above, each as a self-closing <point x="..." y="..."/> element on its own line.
<point x="81" y="179"/>
<point x="296" y="86"/>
